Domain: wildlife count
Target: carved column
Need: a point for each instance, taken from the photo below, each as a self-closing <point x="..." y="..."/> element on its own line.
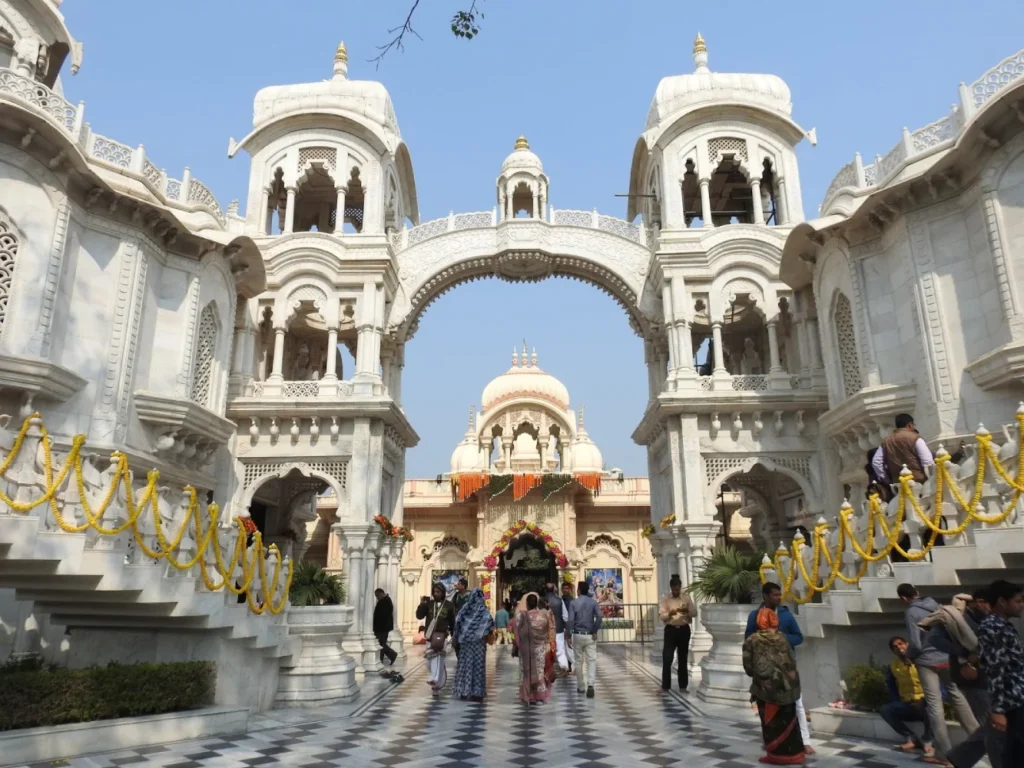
<point x="755" y="191"/>
<point x="716" y="342"/>
<point x="371" y="649"/>
<point x="705" y="202"/>
<point x="332" y="354"/>
<point x="782" y="205"/>
<point x="265" y="208"/>
<point x="352" y="539"/>
<point x="289" y="211"/>
<point x="339" y="215"/>
<point x="277" y="372"/>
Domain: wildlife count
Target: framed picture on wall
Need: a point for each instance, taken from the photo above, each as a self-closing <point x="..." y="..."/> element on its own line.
<point x="606" y="588"/>
<point x="449" y="577"/>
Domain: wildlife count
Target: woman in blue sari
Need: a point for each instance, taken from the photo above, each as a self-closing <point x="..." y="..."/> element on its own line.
<point x="473" y="624"/>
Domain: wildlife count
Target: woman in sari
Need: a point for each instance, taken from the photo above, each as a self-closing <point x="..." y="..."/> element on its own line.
<point x="532" y="629"/>
<point x="438" y="614"/>
<point x="768" y="659"/>
<point x="472" y="626"/>
<point x="551" y="657"/>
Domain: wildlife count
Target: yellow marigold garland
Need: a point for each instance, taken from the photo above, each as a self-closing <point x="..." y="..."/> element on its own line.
<point x="820" y="550"/>
<point x="149" y="499"/>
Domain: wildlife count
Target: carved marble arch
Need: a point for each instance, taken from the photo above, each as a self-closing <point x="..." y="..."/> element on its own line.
<point x="443" y="542"/>
<point x="719" y="470"/>
<point x="337" y="484"/>
<point x="541" y="420"/>
<point x="304" y="289"/>
<point x="609" y="542"/>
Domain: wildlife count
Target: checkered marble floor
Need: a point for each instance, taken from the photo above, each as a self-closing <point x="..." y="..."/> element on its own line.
<point x="631" y="722"/>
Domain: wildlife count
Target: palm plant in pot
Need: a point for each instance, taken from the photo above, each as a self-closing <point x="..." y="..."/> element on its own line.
<point x="312" y="585"/>
<point x="726" y="583"/>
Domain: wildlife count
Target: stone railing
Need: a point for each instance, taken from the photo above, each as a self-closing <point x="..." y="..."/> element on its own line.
<point x="638" y="233"/>
<point x="934" y="137"/>
<point x="299" y="390"/>
<point x="747" y="383"/>
<point x="187" y="194"/>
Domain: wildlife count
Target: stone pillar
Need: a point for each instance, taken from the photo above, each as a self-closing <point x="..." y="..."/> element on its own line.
<point x="755" y="189"/>
<point x="366" y="374"/>
<point x="781" y="205"/>
<point x="277" y="372"/>
<point x="705" y="202"/>
<point x="371" y="649"/>
<point x="352" y="539"/>
<point x="694" y="541"/>
<point x="322" y="673"/>
<point x="339" y="215"/>
<point x="289" y="211"/>
<point x="506" y="448"/>
<point x="265" y="209"/>
<point x="332" y="354"/>
<point x="773" y="348"/>
<point x="716" y="341"/>
<point x="396" y="374"/>
<point x="392" y="559"/>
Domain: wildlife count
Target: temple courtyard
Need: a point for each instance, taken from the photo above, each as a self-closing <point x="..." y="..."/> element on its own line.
<point x="629" y="722"/>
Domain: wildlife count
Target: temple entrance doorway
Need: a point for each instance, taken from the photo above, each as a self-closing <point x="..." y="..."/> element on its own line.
<point x="526" y="566"/>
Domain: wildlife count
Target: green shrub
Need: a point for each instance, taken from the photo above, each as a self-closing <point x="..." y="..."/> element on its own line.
<point x="33" y="695"/>
<point x="312" y="585"/>
<point x="865" y="685"/>
<point x="728" y="576"/>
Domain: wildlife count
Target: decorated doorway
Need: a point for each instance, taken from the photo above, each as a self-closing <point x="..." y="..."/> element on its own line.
<point x="526" y="566"/>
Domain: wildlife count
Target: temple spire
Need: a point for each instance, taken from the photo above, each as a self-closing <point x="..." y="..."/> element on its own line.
<point x="700" y="54"/>
<point x="515" y="357"/>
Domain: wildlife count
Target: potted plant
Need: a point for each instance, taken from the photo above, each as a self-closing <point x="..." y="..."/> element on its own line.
<point x="321" y="673"/>
<point x="727" y="584"/>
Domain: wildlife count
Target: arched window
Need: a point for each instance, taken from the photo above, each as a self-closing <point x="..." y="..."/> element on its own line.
<point x="8" y="256"/>
<point x="846" y="343"/>
<point x="206" y="351"/>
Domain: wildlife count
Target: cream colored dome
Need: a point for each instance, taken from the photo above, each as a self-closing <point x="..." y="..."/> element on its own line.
<point x="467" y="456"/>
<point x="524" y="379"/>
<point x="522" y="159"/>
<point x="586" y="456"/>
<point x="703" y="87"/>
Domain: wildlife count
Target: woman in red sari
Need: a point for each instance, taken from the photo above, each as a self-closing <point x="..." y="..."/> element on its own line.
<point x="533" y="630"/>
<point x="775" y="688"/>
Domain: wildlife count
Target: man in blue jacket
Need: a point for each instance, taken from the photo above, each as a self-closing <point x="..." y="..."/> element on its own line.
<point x="771" y="595"/>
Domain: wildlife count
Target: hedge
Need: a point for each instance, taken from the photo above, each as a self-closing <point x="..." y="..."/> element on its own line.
<point x="32" y="695"/>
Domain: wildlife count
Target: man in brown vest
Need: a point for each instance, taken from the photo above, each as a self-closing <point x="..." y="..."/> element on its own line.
<point x="904" y="446"/>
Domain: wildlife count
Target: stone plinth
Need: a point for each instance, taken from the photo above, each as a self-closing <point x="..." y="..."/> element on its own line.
<point x="322" y="673"/>
<point x="723" y="680"/>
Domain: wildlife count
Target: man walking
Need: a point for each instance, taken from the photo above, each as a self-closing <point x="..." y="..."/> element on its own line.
<point x="458" y="600"/>
<point x="771" y="596"/>
<point x="965" y="670"/>
<point x="561" y="615"/>
<point x="1002" y="656"/>
<point x="676" y="610"/>
<point x="933" y="672"/>
<point x="383" y="623"/>
<point x="904" y="447"/>
<point x="584" y="624"/>
<point x="567" y="598"/>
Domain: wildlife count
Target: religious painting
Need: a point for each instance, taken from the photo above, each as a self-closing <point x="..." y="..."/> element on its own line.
<point x="606" y="588"/>
<point x="449" y="577"/>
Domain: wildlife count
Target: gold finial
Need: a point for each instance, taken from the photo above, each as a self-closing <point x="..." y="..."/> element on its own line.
<point x="342" y="53"/>
<point x="698" y="44"/>
<point x="522" y="143"/>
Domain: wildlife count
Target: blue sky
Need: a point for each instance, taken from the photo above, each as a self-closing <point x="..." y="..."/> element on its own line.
<point x="576" y="77"/>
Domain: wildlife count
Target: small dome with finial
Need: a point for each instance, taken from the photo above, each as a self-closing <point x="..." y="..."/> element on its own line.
<point x="698" y="44"/>
<point x="522" y="159"/>
<point x="586" y="456"/>
<point x="524" y="379"/>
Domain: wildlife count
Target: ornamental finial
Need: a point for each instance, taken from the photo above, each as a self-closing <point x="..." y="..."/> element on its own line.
<point x="522" y="143"/>
<point x="700" y="54"/>
<point x="342" y="53"/>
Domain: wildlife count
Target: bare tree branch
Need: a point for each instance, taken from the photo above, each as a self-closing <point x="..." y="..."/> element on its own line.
<point x="465" y="24"/>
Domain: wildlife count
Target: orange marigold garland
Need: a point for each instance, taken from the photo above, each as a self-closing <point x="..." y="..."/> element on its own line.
<point x="589" y="480"/>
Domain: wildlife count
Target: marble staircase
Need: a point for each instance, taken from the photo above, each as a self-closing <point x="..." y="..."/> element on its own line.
<point x="78" y="586"/>
<point x="994" y="553"/>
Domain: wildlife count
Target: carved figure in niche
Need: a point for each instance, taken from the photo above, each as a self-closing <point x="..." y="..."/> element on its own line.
<point x="302" y="368"/>
<point x="750" y="362"/>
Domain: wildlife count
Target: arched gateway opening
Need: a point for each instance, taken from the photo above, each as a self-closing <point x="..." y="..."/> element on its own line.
<point x="525" y="566"/>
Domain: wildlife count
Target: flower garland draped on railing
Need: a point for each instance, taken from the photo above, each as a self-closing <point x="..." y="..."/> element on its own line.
<point x="826" y="563"/>
<point x="391" y="530"/>
<point x="464" y="485"/>
<point x="237" y="575"/>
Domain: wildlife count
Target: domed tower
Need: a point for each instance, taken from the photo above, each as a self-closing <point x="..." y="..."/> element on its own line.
<point x="717" y="149"/>
<point x="327" y="157"/>
<point x="522" y="185"/>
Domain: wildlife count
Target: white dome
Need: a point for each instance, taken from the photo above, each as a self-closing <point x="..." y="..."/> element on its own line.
<point x="522" y="159"/>
<point x="365" y="98"/>
<point x="704" y="87"/>
<point x="467" y="456"/>
<point x="586" y="456"/>
<point x="524" y="380"/>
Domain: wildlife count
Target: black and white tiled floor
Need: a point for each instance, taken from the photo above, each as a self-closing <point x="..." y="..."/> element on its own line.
<point x="631" y="722"/>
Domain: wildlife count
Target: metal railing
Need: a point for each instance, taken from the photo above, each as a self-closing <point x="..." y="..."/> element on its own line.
<point x="628" y="623"/>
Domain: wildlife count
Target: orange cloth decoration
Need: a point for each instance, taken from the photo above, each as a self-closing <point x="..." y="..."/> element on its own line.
<point x="523" y="484"/>
<point x="767" y="619"/>
<point x="589" y="480"/>
<point x="465" y="485"/>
